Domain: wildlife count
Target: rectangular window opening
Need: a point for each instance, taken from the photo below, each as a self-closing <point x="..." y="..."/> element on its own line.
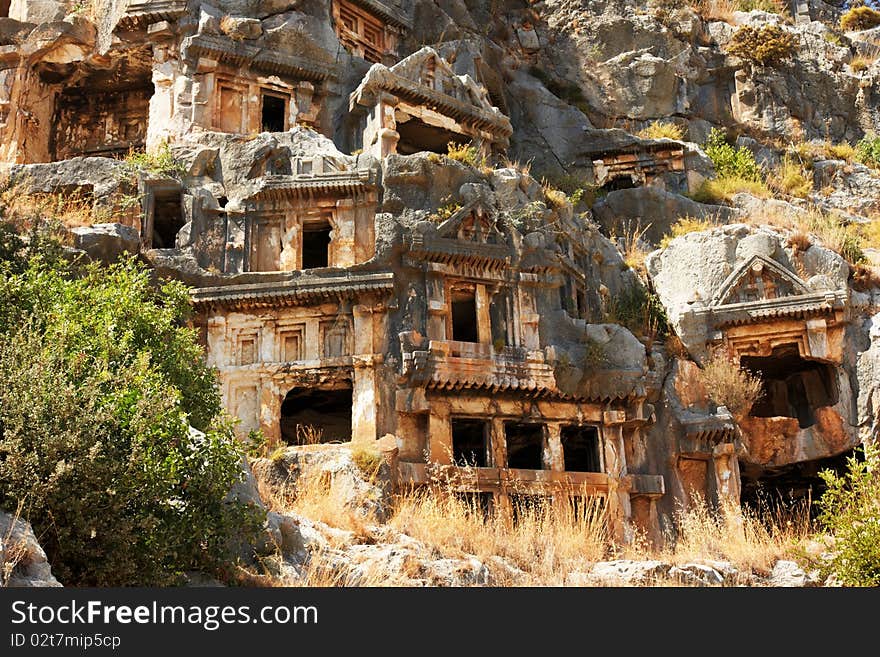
<point x="525" y="445"/>
<point x="316" y="245"/>
<point x="470" y="443"/>
<point x="464" y="316"/>
<point x="580" y="448"/>
<point x="273" y="113"/>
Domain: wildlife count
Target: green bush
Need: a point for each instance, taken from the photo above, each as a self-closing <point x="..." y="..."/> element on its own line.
<point x="850" y="511"/>
<point x="859" y="18"/>
<point x="731" y="162"/>
<point x="868" y="150"/>
<point x="768" y="45"/>
<point x="639" y="310"/>
<point x="102" y="382"/>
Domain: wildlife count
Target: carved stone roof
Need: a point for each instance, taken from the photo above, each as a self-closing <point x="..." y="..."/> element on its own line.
<point x="296" y="292"/>
<point x="471" y="234"/>
<point x="304" y="66"/>
<point x="338" y="183"/>
<point x="387" y="11"/>
<point x="145" y="12"/>
<point x="425" y="78"/>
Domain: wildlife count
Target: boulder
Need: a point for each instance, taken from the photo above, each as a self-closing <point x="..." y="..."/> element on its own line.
<point x="23" y="562"/>
<point x="106" y="242"/>
<point x="653" y="209"/>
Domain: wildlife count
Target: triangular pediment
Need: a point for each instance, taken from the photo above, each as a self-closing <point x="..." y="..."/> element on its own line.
<point x="428" y="69"/>
<point x="759" y="279"/>
<point x="476" y="222"/>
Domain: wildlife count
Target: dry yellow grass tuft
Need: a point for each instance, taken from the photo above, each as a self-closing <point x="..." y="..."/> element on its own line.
<point x="721" y="189"/>
<point x="684" y="226"/>
<point x="546" y="540"/>
<point x="789" y="178"/>
<point x="662" y="130"/>
<point x="70" y="209"/>
<point x="750" y="540"/>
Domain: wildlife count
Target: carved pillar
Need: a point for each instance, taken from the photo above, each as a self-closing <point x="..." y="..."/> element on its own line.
<point x="439" y="434"/>
<point x="727" y="482"/>
<point x="364" y="393"/>
<point x="270" y="410"/>
<point x="437" y="310"/>
<point x="553" y="456"/>
<point x="484" y="323"/>
<point x="619" y="509"/>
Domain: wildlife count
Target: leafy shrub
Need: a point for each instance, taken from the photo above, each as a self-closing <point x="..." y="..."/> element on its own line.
<point x="729" y="385"/>
<point x="102" y="384"/>
<point x="160" y="162"/>
<point x="768" y="45"/>
<point x="859" y="18"/>
<point x="662" y="130"/>
<point x="868" y="150"/>
<point x="850" y="511"/>
<point x="639" y="310"/>
<point x="731" y="162"/>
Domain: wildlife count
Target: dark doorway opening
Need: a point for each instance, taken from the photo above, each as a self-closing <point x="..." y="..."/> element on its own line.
<point x="316" y="245"/>
<point x="525" y="445"/>
<point x="470" y="443"/>
<point x="580" y="448"/>
<point x="464" y="316"/>
<point x="273" y="113"/>
<point x="167" y="218"/>
<point x="4" y="8"/>
<point x="793" y="387"/>
<point x="783" y="489"/>
<point x="416" y="136"/>
<point x="620" y="182"/>
<point x="311" y="415"/>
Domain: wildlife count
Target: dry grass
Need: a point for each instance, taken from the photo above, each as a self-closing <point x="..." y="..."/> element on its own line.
<point x="662" y="130"/>
<point x="722" y="189"/>
<point x="842" y="151"/>
<point x="14" y="552"/>
<point x="308" y="434"/>
<point x="632" y="245"/>
<point x="799" y="241"/>
<point x="555" y="198"/>
<point x="546" y="541"/>
<point x="684" y="226"/>
<point x="729" y="385"/>
<point x="548" y="538"/>
<point x="749" y="540"/>
<point x="722" y="10"/>
<point x="71" y="209"/>
<point x="865" y="277"/>
<point x="789" y="178"/>
<point x="523" y="168"/>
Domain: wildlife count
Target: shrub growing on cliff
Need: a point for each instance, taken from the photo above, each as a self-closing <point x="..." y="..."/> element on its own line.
<point x="868" y="150"/>
<point x="102" y="383"/>
<point x="850" y="511"/>
<point x="727" y="384"/>
<point x="859" y="18"/>
<point x="731" y="162"/>
<point x="768" y="45"/>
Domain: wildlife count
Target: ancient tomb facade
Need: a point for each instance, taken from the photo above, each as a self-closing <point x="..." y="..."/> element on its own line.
<point x="791" y="336"/>
<point x="321" y="215"/>
<point x="369" y="28"/>
<point x="243" y="88"/>
<point x="646" y="163"/>
<point x="420" y="104"/>
<point x="478" y="404"/>
<point x="298" y="360"/>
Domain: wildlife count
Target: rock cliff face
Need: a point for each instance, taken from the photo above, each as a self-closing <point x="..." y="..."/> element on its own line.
<point x="424" y="218"/>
